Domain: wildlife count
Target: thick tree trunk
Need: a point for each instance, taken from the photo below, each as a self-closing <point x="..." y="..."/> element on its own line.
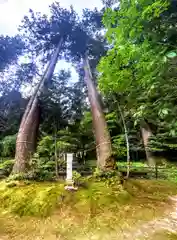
<point x="127" y="140"/>
<point x="26" y="137"/>
<point x="146" y="134"/>
<point x="105" y="160"/>
<point x="26" y="141"/>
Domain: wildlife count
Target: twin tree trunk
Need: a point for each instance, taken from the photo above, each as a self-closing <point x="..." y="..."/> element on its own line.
<point x="146" y="135"/>
<point x="27" y="134"/>
<point x="105" y="160"/>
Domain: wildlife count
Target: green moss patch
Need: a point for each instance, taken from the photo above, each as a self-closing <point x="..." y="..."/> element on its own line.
<point x="40" y="199"/>
<point x="33" y="199"/>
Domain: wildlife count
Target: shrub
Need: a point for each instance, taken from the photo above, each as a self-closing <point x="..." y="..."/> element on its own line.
<point x="6" y="168"/>
<point x="62" y="164"/>
<point x="14" y="177"/>
<point x="109" y="177"/>
<point x="44" y="175"/>
<point x="76" y="177"/>
<point x="8" y="146"/>
<point x="39" y="174"/>
<point x="42" y="169"/>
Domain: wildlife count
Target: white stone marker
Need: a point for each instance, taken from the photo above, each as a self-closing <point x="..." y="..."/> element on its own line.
<point x="69" y="173"/>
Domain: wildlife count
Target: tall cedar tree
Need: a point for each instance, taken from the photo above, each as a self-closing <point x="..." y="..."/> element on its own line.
<point x="44" y="35"/>
<point x="27" y="134"/>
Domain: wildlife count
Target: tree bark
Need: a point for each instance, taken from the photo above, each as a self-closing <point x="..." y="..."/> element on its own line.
<point x="146" y="134"/>
<point x="26" y="137"/>
<point x="105" y="160"/>
<point x="26" y="141"/>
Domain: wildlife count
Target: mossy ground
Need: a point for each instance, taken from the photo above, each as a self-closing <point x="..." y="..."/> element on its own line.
<point x="164" y="235"/>
<point x="47" y="211"/>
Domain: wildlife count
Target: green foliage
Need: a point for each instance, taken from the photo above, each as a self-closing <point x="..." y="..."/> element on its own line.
<point x="6" y="168"/>
<point x="76" y="178"/>
<point x="41" y="169"/>
<point x="119" y="146"/>
<point x="46" y="147"/>
<point x="44" y="169"/>
<point x="165" y="170"/>
<point x="169" y="173"/>
<point x="11" y="49"/>
<point x="132" y="164"/>
<point x="11" y="108"/>
<point x="8" y="146"/>
<point x="76" y="175"/>
<point x="140" y="65"/>
<point x="51" y="149"/>
<point x="15" y="177"/>
<point x="110" y="178"/>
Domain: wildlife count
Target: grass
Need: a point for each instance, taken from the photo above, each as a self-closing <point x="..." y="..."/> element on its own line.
<point x="47" y="211"/>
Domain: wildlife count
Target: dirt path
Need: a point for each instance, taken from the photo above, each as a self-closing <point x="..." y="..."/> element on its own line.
<point x="147" y="230"/>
